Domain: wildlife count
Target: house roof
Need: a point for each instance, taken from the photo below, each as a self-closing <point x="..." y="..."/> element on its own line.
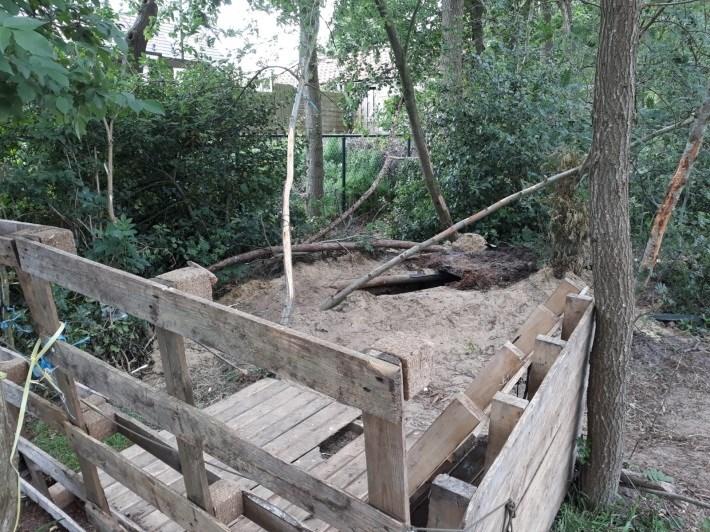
<point x="163" y="44"/>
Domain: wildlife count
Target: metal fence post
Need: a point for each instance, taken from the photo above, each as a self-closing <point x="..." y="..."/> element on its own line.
<point x="343" y="140"/>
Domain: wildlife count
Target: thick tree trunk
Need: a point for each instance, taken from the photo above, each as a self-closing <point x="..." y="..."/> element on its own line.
<point x="675" y="188"/>
<point x="410" y="103"/>
<point x="476" y="10"/>
<point x="608" y="165"/>
<point x="310" y="19"/>
<point x="546" y="11"/>
<point x="566" y="11"/>
<point x="135" y="36"/>
<point x="451" y="43"/>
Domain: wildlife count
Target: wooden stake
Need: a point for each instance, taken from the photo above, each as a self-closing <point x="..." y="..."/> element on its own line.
<point x="547" y="349"/>
<point x="575" y="306"/>
<point x="506" y="410"/>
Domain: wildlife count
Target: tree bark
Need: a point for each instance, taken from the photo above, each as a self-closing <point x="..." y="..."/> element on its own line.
<point x="609" y="164"/>
<point x="451" y="44"/>
<point x="410" y="104"/>
<point x="675" y="188"/>
<point x="135" y="36"/>
<point x="566" y="11"/>
<point x="476" y="11"/>
<point x="309" y="21"/>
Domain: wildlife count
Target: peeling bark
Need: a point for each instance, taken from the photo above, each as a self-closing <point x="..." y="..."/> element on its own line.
<point x="675" y="188"/>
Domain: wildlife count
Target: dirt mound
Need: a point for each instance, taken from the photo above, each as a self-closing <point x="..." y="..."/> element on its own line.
<point x="484" y="269"/>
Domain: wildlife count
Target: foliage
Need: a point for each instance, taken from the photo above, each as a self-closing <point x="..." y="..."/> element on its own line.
<point x="572" y="517"/>
<point x="57" y="445"/>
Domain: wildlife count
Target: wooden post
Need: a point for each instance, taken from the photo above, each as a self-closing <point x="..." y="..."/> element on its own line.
<point x="506" y="410"/>
<point x="547" y="349"/>
<point x="39" y="299"/>
<point x="198" y="282"/>
<point x="575" y="305"/>
<point x="448" y="502"/>
<point x="386" y="459"/>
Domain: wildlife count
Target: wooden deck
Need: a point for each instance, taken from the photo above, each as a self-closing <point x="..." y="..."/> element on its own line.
<point x="286" y="419"/>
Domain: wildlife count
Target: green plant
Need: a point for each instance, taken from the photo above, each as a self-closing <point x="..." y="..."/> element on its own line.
<point x="117" y="245"/>
<point x="573" y="517"/>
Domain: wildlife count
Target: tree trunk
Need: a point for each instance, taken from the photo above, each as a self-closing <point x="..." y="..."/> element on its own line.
<point x="675" y="188"/>
<point x="476" y="10"/>
<point x="451" y="44"/>
<point x="410" y="103"/>
<point x="108" y="126"/>
<point x="546" y="11"/>
<point x="309" y="21"/>
<point x="566" y="11"/>
<point x="135" y="36"/>
<point x="608" y="165"/>
<point x="8" y="476"/>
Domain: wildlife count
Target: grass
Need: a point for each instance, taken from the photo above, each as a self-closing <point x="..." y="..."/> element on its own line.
<point x="573" y="517"/>
<point x="57" y="445"/>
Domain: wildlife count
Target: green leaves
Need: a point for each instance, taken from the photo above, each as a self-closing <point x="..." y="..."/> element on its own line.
<point x="32" y="42"/>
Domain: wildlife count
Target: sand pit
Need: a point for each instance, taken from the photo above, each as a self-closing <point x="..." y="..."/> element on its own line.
<point x="463" y="327"/>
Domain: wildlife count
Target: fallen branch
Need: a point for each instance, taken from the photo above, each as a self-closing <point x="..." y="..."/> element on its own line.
<point x="271" y="251"/>
<point x="382" y="173"/>
<point x="357" y="283"/>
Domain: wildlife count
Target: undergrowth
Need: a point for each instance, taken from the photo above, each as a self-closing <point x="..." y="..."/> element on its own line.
<point x="573" y="517"/>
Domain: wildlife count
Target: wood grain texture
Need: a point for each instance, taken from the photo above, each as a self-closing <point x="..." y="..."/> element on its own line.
<point x="350" y="377"/>
<point x="171" y="503"/>
<point x="330" y="504"/>
<point x="448" y="502"/>
<point x="575" y="305"/>
<point x="547" y="349"/>
<point x="48" y="506"/>
<point x="551" y="414"/>
<point x="386" y="456"/>
<point x="506" y="410"/>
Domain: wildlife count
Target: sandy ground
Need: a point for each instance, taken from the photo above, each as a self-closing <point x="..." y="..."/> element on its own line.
<point x="463" y="327"/>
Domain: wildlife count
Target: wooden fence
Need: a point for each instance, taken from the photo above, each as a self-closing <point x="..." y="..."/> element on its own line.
<point x="529" y="448"/>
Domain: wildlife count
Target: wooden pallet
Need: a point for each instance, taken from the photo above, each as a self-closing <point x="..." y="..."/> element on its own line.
<point x="287" y="419"/>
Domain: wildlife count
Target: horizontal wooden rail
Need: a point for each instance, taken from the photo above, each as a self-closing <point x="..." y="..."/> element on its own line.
<point x="330" y="504"/>
<point x="365" y="382"/>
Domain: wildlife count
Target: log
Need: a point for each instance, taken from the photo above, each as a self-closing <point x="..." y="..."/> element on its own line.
<point x="398" y="280"/>
<point x="270" y="251"/>
<point x="451" y="231"/>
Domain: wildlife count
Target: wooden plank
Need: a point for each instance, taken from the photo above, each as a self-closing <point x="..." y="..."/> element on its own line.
<point x="571" y="284"/>
<point x="350" y="377"/>
<point x="48" y="506"/>
<point x="43" y="409"/>
<point x="461" y="416"/>
<point x="448" y="502"/>
<point x="539" y="322"/>
<point x="574" y="309"/>
<point x="7" y="253"/>
<point x="506" y="410"/>
<point x="547" y="349"/>
<point x="179" y="384"/>
<point x="386" y="456"/>
<point x="37" y="479"/>
<point x="441" y="438"/>
<point x="43" y="311"/>
<point x="52" y="467"/>
<point x="269" y="516"/>
<point x="185" y="513"/>
<point x="512" y="473"/>
<point x="224" y="443"/>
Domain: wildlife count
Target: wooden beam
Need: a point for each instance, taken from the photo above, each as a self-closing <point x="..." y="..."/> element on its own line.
<point x="43" y="311"/>
<point x="325" y="502"/>
<point x="38" y="406"/>
<point x="506" y="410"/>
<point x="269" y="516"/>
<point x="48" y="506"/>
<point x="8" y="257"/>
<point x="448" y="501"/>
<point x="53" y="468"/>
<point x="352" y="378"/>
<point x="179" y="384"/>
<point x="575" y="306"/>
<point x="547" y="349"/>
<point x="385" y="454"/>
<point x="461" y="416"/>
<point x="165" y="499"/>
<point x="571" y="284"/>
<point x="525" y="459"/>
<point x="540" y="321"/>
<point x="442" y="437"/>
